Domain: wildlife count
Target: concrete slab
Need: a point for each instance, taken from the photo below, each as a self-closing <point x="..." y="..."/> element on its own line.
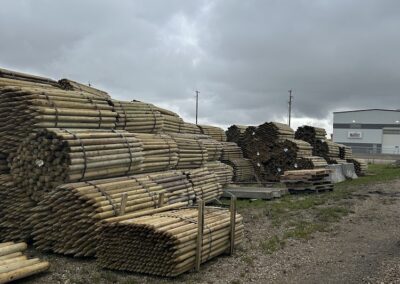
<point x="349" y="171"/>
<point x="265" y="193"/>
<point x="336" y="175"/>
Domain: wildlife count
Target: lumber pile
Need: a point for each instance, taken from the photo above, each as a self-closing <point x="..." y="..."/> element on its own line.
<point x="231" y="151"/>
<point x="192" y="152"/>
<point x="213" y="131"/>
<point x="56" y="156"/>
<point x="214" y="148"/>
<point x="205" y="184"/>
<point x="14" y="265"/>
<point x="190" y="128"/>
<point x="129" y="245"/>
<point x="328" y="150"/>
<point x="243" y="169"/>
<point x="25" y="79"/>
<point x="311" y="135"/>
<point x="223" y="172"/>
<point x="307" y="180"/>
<point x="345" y="152"/>
<point x="27" y="109"/>
<point x="15" y="207"/>
<point x="137" y="117"/>
<point x="172" y="123"/>
<point x="311" y="162"/>
<point x="360" y="166"/>
<point x="70" y="85"/>
<point x="66" y="219"/>
<point x="4" y="164"/>
<point x="235" y="133"/>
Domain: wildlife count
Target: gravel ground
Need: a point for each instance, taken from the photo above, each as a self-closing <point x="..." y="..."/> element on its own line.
<point x="363" y="247"/>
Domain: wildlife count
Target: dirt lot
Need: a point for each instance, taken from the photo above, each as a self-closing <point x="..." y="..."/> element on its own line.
<point x="351" y="235"/>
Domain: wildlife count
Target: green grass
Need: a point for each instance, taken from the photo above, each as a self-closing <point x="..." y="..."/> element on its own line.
<point x="304" y="230"/>
<point x="272" y="244"/>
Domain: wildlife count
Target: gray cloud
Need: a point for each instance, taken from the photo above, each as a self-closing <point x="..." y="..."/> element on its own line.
<point x="243" y="56"/>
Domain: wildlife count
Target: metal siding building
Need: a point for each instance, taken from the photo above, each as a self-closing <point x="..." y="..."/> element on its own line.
<point x="368" y="131"/>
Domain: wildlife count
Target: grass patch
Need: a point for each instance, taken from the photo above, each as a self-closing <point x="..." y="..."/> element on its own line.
<point x="331" y="214"/>
<point x="304" y="230"/>
<point x="271" y="245"/>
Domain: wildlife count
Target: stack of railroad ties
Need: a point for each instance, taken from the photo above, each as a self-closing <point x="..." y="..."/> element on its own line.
<point x="273" y="149"/>
<point x="81" y="163"/>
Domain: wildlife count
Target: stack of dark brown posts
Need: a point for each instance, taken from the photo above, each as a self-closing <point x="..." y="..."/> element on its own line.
<point x="329" y="151"/>
<point x="14" y="265"/>
<point x="130" y="244"/>
<point x="311" y="162"/>
<point x="213" y="131"/>
<point x="360" y="166"/>
<point x="312" y="135"/>
<point x="236" y="133"/>
<point x="345" y="152"/>
<point x="307" y="180"/>
<point x="4" y="164"/>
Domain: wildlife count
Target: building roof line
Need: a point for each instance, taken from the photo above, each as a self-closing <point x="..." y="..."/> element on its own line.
<point x="358" y="110"/>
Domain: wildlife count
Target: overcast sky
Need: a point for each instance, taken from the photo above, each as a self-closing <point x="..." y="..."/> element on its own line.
<point x="243" y="56"/>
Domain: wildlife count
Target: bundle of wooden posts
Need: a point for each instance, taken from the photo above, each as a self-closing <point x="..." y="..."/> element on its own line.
<point x="345" y="152"/>
<point x="205" y="184"/>
<point x="191" y="151"/>
<point x="70" y="85"/>
<point x="235" y="133"/>
<point x="25" y="79"/>
<point x="311" y="162"/>
<point x="190" y="128"/>
<point x="130" y="245"/>
<point x="214" y="147"/>
<point x="360" y="166"/>
<point x="55" y="156"/>
<point x="223" y="172"/>
<point x="14" y="265"/>
<point x="213" y="131"/>
<point x="27" y="109"/>
<point x="4" y="164"/>
<point x="230" y="151"/>
<point x="138" y="117"/>
<point x="328" y="150"/>
<point x="273" y="132"/>
<point x="311" y="135"/>
<point x="66" y="219"/>
<point x="307" y="180"/>
<point x="172" y="124"/>
<point x="15" y="207"/>
<point x="243" y="169"/>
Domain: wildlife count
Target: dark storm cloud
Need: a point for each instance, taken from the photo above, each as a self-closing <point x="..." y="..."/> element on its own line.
<point x="243" y="56"/>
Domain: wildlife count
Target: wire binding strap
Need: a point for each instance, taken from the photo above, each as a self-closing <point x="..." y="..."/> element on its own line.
<point x="83" y="151"/>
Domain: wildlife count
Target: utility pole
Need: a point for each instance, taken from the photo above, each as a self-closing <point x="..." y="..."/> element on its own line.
<point x="290" y="105"/>
<point x="197" y="105"/>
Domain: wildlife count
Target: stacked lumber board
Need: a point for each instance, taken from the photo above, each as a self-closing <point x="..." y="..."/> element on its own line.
<point x="311" y="135"/>
<point x="27" y="109"/>
<point x="230" y="151"/>
<point x="137" y="117"/>
<point x="311" y="162"/>
<point x="66" y="219"/>
<point x="223" y="172"/>
<point x="307" y="180"/>
<point x="205" y="184"/>
<point x="360" y="166"/>
<point x="129" y="245"/>
<point x="243" y="169"/>
<point x="14" y="265"/>
<point x="235" y="133"/>
<point x="70" y="85"/>
<point x="345" y="152"/>
<point x="4" y="164"/>
<point x="213" y="131"/>
<point x="15" y="207"/>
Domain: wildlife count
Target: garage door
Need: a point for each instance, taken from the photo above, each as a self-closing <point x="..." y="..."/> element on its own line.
<point x="391" y="141"/>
